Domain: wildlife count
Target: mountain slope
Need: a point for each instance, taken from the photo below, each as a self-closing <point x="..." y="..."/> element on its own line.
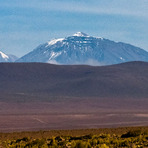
<point x="83" y="49"/>
<point x="7" y="58"/>
<point x="40" y="80"/>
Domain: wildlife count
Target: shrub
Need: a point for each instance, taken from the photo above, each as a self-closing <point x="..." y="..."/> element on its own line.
<point x="25" y="139"/>
<point x="82" y="144"/>
<point x="39" y="143"/>
<point x="103" y="146"/>
<point x="131" y="134"/>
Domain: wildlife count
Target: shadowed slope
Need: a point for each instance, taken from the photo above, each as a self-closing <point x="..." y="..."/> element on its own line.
<point x="128" y="80"/>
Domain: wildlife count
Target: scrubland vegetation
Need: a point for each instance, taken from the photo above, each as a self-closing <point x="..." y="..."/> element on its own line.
<point x="122" y="137"/>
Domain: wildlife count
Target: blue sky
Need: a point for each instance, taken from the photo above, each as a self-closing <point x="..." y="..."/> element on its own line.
<point x="24" y="24"/>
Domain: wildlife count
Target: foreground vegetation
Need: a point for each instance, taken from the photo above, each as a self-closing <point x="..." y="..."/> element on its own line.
<point x="111" y="138"/>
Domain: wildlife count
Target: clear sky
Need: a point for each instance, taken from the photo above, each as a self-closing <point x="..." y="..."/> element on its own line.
<point x="24" y="24"/>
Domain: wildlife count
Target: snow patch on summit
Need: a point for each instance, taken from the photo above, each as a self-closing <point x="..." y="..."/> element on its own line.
<point x="54" y="55"/>
<point x="52" y="42"/>
<point x="99" y="38"/>
<point x="4" y="56"/>
<point x="80" y="34"/>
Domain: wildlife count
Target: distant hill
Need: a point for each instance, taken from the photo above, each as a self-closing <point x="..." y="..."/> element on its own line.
<point x="44" y="81"/>
<point x="7" y="57"/>
<point x="81" y="48"/>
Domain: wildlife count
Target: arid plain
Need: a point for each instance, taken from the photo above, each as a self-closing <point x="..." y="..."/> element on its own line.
<point x="43" y="96"/>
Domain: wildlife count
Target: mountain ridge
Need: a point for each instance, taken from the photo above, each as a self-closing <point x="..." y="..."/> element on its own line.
<point x="7" y="57"/>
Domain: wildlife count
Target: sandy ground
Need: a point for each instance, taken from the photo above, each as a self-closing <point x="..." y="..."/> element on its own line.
<point x="74" y="113"/>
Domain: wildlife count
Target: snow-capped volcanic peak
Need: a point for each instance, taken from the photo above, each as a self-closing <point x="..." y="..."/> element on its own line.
<point x="81" y="34"/>
<point x="4" y="56"/>
<point x="83" y="49"/>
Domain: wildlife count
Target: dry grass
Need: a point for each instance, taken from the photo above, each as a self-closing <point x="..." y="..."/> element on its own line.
<point x="80" y="132"/>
